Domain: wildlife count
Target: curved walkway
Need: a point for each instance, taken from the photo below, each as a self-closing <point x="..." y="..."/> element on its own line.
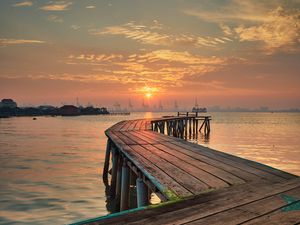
<point x="212" y="187"/>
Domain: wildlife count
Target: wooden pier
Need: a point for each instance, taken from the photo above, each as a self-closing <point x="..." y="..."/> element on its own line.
<point x="196" y="185"/>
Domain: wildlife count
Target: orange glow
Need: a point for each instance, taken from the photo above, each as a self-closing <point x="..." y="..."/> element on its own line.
<point x="148" y="95"/>
<point x="148" y="91"/>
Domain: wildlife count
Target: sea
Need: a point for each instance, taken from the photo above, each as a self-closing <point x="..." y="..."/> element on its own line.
<point x="51" y="167"/>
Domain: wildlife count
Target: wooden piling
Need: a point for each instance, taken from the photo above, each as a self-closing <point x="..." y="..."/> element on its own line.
<point x="106" y="162"/>
<point x="142" y="192"/>
<point x="114" y="173"/>
<point x="125" y="185"/>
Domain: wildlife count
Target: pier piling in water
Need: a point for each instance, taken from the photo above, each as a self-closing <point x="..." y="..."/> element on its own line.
<point x="125" y="187"/>
<point x="142" y="192"/>
<point x="115" y="161"/>
<point x="106" y="162"/>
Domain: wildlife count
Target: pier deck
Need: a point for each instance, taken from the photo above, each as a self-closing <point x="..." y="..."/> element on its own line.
<point x="199" y="185"/>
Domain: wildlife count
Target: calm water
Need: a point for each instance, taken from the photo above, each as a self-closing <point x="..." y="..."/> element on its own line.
<point x="50" y="168"/>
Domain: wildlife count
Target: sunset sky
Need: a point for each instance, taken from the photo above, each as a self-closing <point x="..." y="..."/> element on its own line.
<point x="226" y="52"/>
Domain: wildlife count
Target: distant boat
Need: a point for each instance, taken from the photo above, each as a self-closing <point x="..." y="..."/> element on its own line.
<point x="196" y="108"/>
<point x="199" y="110"/>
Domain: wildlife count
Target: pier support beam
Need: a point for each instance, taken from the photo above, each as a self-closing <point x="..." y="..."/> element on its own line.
<point x="118" y="184"/>
<point x="142" y="193"/>
<point x="106" y="162"/>
<point x="113" y="184"/>
<point x="125" y="187"/>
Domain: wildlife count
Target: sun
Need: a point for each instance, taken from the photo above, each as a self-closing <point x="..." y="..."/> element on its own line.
<point x="148" y="91"/>
<point x="148" y="95"/>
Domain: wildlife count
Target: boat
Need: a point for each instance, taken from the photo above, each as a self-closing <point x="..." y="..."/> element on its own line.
<point x="198" y="109"/>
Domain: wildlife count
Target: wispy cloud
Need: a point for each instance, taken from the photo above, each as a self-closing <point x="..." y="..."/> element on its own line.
<point x="7" y="42"/>
<point x="153" y="34"/>
<point x="280" y="32"/>
<point x="162" y="68"/>
<point x="267" y="22"/>
<point x="90" y="7"/>
<point x="57" y="6"/>
<point x="235" y="11"/>
<point x="24" y="3"/>
<point x="54" y="18"/>
<point x="75" y="27"/>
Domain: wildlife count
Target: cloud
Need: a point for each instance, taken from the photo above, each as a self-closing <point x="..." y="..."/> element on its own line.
<point x="75" y="27"/>
<point x="24" y="3"/>
<point x="153" y="35"/>
<point x="268" y="23"/>
<point x="4" y="42"/>
<point x="54" y="18"/>
<point x="162" y="68"/>
<point x="280" y="32"/>
<point x="235" y="11"/>
<point x="57" y="6"/>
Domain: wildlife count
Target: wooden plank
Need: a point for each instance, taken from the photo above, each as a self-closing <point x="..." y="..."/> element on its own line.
<point x="158" y="136"/>
<point x="203" y="205"/>
<point x="148" y="125"/>
<point x="250" y="211"/>
<point x="132" y="125"/>
<point x="253" y="164"/>
<point x="232" y="198"/>
<point x="139" y="124"/>
<point x="125" y="139"/>
<point x="183" y="178"/>
<point x="129" y="125"/>
<point x="126" y="125"/>
<point x="201" y="175"/>
<point x="278" y="217"/>
<point x="212" y="170"/>
<point x="152" y="171"/>
<point x="145" y="138"/>
<point x="123" y="125"/>
<point x="215" y="163"/>
<point x="230" y="160"/>
<point x="133" y="138"/>
<point x="115" y="139"/>
<point x="117" y="126"/>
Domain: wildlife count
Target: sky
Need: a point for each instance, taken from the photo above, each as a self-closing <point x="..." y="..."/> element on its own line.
<point x="221" y="52"/>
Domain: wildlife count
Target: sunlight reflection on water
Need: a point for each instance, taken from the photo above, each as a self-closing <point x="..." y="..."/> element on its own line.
<point x="51" y="167"/>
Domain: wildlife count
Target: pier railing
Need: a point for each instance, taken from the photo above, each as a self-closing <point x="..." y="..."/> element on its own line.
<point x="184" y="125"/>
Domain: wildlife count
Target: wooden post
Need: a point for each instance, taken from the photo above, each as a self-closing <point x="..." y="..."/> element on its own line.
<point x="119" y="184"/>
<point x="106" y="162"/>
<point x="142" y="192"/>
<point x="186" y="128"/>
<point x="194" y="125"/>
<point x="132" y="178"/>
<point x="114" y="173"/>
<point x="125" y="187"/>
<point x="202" y="125"/>
<point x="208" y="124"/>
<point x="190" y="128"/>
<point x="197" y="121"/>
<point x="119" y="178"/>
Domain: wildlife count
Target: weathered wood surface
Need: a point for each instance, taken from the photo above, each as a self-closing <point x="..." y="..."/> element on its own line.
<point x="219" y="188"/>
<point x="256" y="202"/>
<point x="187" y="166"/>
